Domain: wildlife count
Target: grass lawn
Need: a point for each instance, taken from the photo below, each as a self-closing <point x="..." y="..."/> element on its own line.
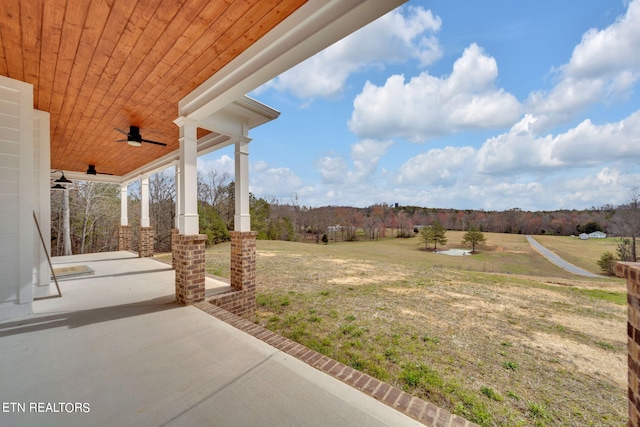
<point x="501" y="338"/>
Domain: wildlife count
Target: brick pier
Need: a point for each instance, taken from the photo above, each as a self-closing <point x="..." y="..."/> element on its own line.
<point x="189" y="263"/>
<point x="175" y="233"/>
<point x="124" y="238"/>
<point x="145" y="242"/>
<point x="631" y="272"/>
<point x="241" y="300"/>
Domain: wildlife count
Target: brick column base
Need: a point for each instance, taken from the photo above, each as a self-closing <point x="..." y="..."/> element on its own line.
<point x="631" y="271"/>
<point x="241" y="301"/>
<point x="190" y="265"/>
<point x="145" y="242"/>
<point x="174" y="242"/>
<point x="124" y="238"/>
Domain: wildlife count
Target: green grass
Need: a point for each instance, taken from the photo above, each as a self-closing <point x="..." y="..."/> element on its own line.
<point x="483" y="336"/>
<point x="491" y="394"/>
<point x="511" y="366"/>
<point x="605" y="345"/>
<point x="619" y="298"/>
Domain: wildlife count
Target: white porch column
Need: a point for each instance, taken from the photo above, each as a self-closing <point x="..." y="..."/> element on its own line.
<point x="242" y="219"/>
<point x="42" y="199"/>
<point x="124" y="216"/>
<point x="188" y="186"/>
<point x="178" y="204"/>
<point x="124" y="231"/>
<point x="144" y="202"/>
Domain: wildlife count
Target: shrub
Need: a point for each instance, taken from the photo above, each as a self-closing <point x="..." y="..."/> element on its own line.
<point x="607" y="263"/>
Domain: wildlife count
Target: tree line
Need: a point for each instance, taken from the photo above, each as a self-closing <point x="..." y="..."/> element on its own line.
<point x="94" y="215"/>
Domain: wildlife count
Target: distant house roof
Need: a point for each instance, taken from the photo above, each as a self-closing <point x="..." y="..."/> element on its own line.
<point x="597" y="235"/>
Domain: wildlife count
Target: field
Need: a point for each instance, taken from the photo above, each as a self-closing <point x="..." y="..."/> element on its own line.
<point x="501" y="338"/>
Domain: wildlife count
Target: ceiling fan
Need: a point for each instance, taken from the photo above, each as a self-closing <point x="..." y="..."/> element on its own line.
<point x="91" y="170"/>
<point x="134" y="138"/>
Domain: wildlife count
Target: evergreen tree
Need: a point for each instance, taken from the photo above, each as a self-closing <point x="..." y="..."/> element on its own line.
<point x="473" y="236"/>
<point x="435" y="233"/>
<point x="438" y="234"/>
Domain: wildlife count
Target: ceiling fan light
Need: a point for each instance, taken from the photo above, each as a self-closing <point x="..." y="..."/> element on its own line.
<point x="58" y="187"/>
<point x="62" y="179"/>
<point x="134" y="143"/>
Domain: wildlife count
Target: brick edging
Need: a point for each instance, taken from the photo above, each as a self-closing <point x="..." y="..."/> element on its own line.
<point x="425" y="412"/>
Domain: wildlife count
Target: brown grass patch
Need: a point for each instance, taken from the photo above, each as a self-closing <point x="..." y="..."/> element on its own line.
<point x="444" y="328"/>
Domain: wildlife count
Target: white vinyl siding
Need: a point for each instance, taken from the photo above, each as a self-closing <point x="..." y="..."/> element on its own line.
<point x="16" y="194"/>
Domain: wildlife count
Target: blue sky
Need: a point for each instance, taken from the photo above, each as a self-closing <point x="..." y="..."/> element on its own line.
<point x="460" y="104"/>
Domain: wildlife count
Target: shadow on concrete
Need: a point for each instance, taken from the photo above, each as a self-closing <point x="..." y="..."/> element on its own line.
<point x="124" y="273"/>
<point x="78" y="319"/>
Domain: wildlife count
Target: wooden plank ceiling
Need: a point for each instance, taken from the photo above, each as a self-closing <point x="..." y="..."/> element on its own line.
<point x="104" y="64"/>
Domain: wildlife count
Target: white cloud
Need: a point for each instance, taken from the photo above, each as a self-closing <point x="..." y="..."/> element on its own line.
<point x="589" y="144"/>
<point x="427" y="107"/>
<point x="605" y="64"/>
<point x="400" y="35"/>
<point x="517" y="150"/>
<point x="222" y="164"/>
<point x="610" y="51"/>
<point x="582" y="146"/>
<point x="562" y="103"/>
<point x="366" y="155"/>
<point x="281" y="183"/>
<point x="437" y="166"/>
<point x="333" y="169"/>
<point x="605" y="185"/>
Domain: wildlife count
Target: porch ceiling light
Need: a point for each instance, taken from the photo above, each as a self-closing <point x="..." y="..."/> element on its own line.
<point x="58" y="187"/>
<point x="62" y="179"/>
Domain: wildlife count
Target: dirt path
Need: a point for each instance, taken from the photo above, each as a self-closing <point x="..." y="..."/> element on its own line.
<point x="555" y="259"/>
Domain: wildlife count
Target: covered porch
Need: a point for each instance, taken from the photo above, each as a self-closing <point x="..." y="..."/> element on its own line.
<point x="118" y="350"/>
<point x="114" y="92"/>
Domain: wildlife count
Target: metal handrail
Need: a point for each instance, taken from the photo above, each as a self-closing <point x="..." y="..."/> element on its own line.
<point x="53" y="273"/>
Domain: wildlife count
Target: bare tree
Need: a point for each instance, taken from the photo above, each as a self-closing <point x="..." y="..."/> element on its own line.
<point x="66" y="225"/>
<point x="84" y="220"/>
<point x="213" y="187"/>
<point x="370" y="223"/>
<point x="381" y="212"/>
<point x="96" y="212"/>
<point x="162" y="206"/>
<point x="626" y="220"/>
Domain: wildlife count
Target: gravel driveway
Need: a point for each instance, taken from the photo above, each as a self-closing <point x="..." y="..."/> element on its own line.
<point x="559" y="261"/>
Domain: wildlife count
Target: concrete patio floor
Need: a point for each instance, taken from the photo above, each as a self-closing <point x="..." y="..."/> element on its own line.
<point x="117" y="350"/>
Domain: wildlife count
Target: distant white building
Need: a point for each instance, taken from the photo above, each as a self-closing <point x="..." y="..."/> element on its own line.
<point x="594" y="235"/>
<point x="597" y="235"/>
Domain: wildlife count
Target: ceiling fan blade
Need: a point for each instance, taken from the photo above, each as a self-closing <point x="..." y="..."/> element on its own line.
<point x="91" y="170"/>
<point x="153" y="142"/>
<point x="121" y="131"/>
<point x="121" y="140"/>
